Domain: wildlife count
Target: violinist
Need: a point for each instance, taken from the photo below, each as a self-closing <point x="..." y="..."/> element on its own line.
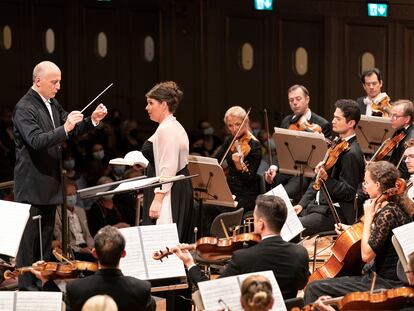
<point x="402" y="118"/>
<point x="408" y="158"/>
<point x="243" y="158"/>
<point x="288" y="261"/>
<point x="342" y="179"/>
<point x="382" y="213"/>
<point x="372" y="83"/>
<point x="299" y="99"/>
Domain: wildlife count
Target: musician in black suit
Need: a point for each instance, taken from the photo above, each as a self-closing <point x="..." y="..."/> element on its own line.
<point x="371" y="80"/>
<point x="40" y="125"/>
<point x="299" y="99"/>
<point x="402" y="121"/>
<point x="341" y="180"/>
<point x="128" y="292"/>
<point x="288" y="261"/>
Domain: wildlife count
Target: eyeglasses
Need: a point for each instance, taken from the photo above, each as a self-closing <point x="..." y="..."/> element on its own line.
<point x="408" y="157"/>
<point x="394" y="116"/>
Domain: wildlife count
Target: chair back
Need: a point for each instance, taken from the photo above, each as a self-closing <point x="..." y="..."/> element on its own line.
<point x="231" y="220"/>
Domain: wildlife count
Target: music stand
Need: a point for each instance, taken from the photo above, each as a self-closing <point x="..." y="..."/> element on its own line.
<point x="210" y="185"/>
<point x="128" y="185"/>
<point x="372" y="131"/>
<point x="298" y="152"/>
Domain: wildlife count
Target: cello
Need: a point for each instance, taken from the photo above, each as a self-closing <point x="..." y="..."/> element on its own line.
<point x="346" y="258"/>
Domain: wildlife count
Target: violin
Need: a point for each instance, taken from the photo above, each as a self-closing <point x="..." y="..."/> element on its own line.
<point x="331" y="157"/>
<point x="387" y="146"/>
<point x="242" y="147"/>
<point x="346" y="256"/>
<point x="56" y="270"/>
<point x="212" y="248"/>
<point x="391" y="299"/>
<point x="381" y="106"/>
<point x="301" y="124"/>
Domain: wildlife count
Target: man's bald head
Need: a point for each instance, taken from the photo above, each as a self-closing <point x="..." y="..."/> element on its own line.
<point x="42" y="68"/>
<point x="46" y="79"/>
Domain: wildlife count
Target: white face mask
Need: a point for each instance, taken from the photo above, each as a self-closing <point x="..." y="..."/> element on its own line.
<point x="71" y="200"/>
<point x="98" y="155"/>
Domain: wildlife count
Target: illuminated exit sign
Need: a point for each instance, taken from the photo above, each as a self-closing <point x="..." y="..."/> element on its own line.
<point x="378" y="9"/>
<point x="262" y="5"/>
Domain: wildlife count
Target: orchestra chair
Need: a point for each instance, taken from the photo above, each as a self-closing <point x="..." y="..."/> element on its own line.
<point x="297" y="302"/>
<point x="232" y="221"/>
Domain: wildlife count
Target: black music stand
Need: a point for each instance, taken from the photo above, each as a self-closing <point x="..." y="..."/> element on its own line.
<point x="372" y="131"/>
<point x="210" y="184"/>
<point x="298" y="152"/>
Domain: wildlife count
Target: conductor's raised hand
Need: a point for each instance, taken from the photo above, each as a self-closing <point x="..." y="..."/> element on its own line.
<point x="73" y="118"/>
<point x="99" y="113"/>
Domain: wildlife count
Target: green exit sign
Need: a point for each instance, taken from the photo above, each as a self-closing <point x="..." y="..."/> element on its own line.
<point x="377" y="9"/>
<point x="263" y="5"/>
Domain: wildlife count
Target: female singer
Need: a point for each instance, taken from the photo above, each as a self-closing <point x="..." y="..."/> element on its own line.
<point x="243" y="159"/>
<point x="167" y="152"/>
<point x="380" y="217"/>
<point x="256" y="294"/>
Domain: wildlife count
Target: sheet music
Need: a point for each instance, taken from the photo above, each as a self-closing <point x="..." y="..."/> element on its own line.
<point x="6" y="300"/>
<point x="292" y="226"/>
<point x="132" y="264"/>
<point x="129" y="185"/>
<point x="404" y="235"/>
<point x="141" y="243"/>
<point x="34" y="301"/>
<point x="228" y="289"/>
<point x="13" y="219"/>
<point x="156" y="238"/>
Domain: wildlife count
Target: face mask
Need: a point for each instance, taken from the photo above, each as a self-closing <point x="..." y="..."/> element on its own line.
<point x="208" y="131"/>
<point x="98" y="155"/>
<point x="119" y="170"/>
<point x="69" y="164"/>
<point x="71" y="200"/>
<point x="108" y="197"/>
<point x="255" y="132"/>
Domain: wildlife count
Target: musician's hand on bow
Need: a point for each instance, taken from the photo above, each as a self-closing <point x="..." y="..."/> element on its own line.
<point x="72" y="119"/>
<point x="99" y="113"/>
<point x="183" y="254"/>
<point x="270" y="174"/>
<point x="339" y="228"/>
<point x="298" y="209"/>
<point x="321" y="305"/>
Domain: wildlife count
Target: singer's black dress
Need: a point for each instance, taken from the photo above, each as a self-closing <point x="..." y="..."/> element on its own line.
<point x="181" y="198"/>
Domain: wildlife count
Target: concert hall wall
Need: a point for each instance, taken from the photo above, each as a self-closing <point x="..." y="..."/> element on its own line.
<point x="222" y="52"/>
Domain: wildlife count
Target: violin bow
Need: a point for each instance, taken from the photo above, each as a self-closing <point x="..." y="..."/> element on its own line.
<point x="329" y="201"/>
<point x="235" y="136"/>
<point x="268" y="136"/>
